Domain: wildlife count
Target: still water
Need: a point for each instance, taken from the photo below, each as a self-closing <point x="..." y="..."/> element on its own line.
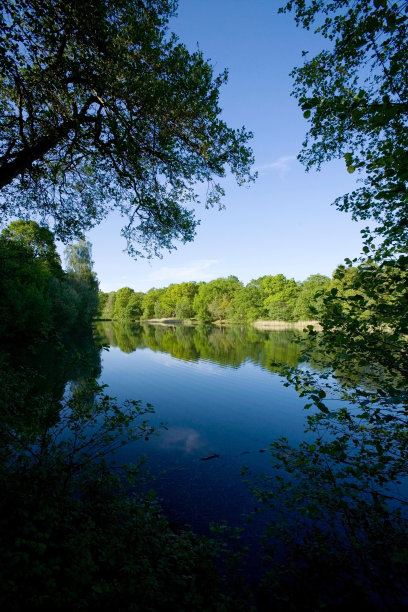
<point x="222" y="400"/>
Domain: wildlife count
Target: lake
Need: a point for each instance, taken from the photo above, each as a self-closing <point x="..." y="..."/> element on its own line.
<point x="222" y="400"/>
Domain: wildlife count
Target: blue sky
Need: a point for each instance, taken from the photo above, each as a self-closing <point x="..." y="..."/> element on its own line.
<point x="284" y="222"/>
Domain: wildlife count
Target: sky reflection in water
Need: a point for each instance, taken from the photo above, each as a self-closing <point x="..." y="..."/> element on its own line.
<point x="229" y="405"/>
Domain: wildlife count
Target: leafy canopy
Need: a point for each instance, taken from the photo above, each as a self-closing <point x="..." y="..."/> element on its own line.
<point x="38" y="240"/>
<point x="355" y="94"/>
<point x="101" y="108"/>
<point x="38" y="297"/>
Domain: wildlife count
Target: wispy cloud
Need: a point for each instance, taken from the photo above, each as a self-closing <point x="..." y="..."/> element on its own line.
<point x="280" y="165"/>
<point x="195" y="271"/>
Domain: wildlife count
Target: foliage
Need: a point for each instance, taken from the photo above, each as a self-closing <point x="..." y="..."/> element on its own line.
<point x="214" y="300"/>
<point x="106" y="304"/>
<point x="82" y="278"/>
<point x="282" y="297"/>
<point x="308" y="306"/>
<point x="134" y="306"/>
<point x="247" y="304"/>
<point x="78" y="260"/>
<point x="102" y="302"/>
<point x="77" y="536"/>
<point x="29" y="260"/>
<point x="368" y="320"/>
<point x="273" y="297"/>
<point x="184" y="309"/>
<point x="149" y="302"/>
<point x="339" y="499"/>
<point x="123" y="304"/>
<point x="178" y="297"/>
<point x="37" y="296"/>
<point x="23" y="284"/>
<point x="354" y="93"/>
<point x="102" y="108"/>
<point x="39" y="241"/>
<point x="121" y="301"/>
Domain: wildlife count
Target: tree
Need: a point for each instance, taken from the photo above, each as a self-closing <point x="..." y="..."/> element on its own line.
<point x="172" y="297"/>
<point x="149" y="302"/>
<point x="355" y="94"/>
<point x="83" y="279"/>
<point x="278" y="296"/>
<point x="31" y="280"/>
<point x="184" y="308"/>
<point x="247" y="303"/>
<point x="122" y="303"/>
<point x="102" y="301"/>
<point x="134" y="309"/>
<point x="107" y="306"/>
<point x="78" y="259"/>
<point x="37" y="296"/>
<point x="102" y="108"/>
<point x="308" y="306"/>
<point x="214" y="300"/>
<point x="39" y="240"/>
<point x="24" y="282"/>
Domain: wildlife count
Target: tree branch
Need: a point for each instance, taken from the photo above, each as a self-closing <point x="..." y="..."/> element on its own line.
<point x="29" y="154"/>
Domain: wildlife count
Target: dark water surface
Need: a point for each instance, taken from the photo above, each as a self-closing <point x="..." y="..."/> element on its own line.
<point x="220" y="395"/>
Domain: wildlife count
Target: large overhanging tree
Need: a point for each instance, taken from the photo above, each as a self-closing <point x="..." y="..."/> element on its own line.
<point x="355" y="94"/>
<point x="101" y="108"/>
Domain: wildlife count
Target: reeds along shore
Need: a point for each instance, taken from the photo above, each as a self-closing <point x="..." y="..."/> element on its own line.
<point x="261" y="324"/>
<point x="286" y="324"/>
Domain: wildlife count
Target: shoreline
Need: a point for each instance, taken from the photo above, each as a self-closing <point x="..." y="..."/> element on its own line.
<point x="268" y="325"/>
<point x="259" y="324"/>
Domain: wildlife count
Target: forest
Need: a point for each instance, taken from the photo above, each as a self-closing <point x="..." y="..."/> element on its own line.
<point x="273" y="298"/>
<point x="38" y="295"/>
<point x="103" y="110"/>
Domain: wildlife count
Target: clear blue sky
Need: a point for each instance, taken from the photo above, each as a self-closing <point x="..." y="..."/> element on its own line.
<point x="284" y="222"/>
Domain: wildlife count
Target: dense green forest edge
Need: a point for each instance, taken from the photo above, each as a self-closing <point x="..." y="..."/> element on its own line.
<point x="273" y="298"/>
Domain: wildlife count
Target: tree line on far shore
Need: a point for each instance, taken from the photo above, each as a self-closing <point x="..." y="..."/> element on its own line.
<point x="227" y="299"/>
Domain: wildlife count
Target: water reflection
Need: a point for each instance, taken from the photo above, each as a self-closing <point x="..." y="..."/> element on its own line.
<point x="34" y="380"/>
<point x="231" y="346"/>
<point x="181" y="438"/>
<point x="220" y="395"/>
